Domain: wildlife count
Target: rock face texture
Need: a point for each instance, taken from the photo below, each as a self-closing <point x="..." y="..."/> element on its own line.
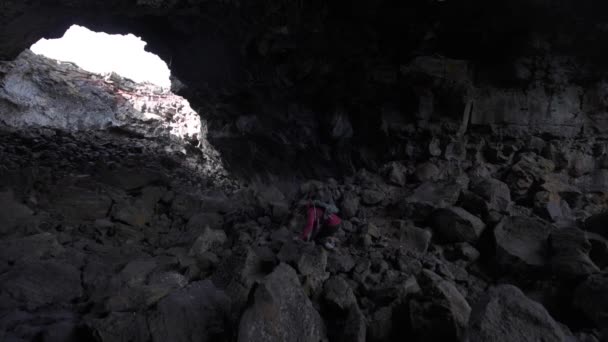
<point x="471" y="173"/>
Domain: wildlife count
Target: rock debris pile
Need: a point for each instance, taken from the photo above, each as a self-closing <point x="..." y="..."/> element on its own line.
<point x="111" y="237"/>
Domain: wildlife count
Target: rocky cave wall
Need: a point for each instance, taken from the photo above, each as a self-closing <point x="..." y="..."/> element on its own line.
<point x="317" y="86"/>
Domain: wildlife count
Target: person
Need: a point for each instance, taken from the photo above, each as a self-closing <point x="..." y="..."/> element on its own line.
<point x="321" y="224"/>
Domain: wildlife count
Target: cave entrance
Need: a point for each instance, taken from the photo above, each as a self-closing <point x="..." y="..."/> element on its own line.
<point x="101" y="53"/>
<point x="137" y="83"/>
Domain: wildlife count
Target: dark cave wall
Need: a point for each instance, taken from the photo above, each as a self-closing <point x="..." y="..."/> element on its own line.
<point x="325" y="87"/>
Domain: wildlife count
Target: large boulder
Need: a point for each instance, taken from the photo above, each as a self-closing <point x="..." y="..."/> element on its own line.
<point x="506" y="314"/>
<point x="495" y="192"/>
<point x="413" y="238"/>
<point x="39" y="283"/>
<point x="569" y="248"/>
<point x="455" y="224"/>
<point x="198" y="312"/>
<point x="429" y="196"/>
<point x="281" y="311"/>
<point x="591" y="297"/>
<point x="521" y="242"/>
<point x="440" y="312"/>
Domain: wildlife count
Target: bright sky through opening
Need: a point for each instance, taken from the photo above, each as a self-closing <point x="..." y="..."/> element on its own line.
<point x="101" y="53"/>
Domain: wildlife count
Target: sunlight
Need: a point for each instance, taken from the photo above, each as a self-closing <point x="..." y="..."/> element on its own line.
<point x="102" y="53"/>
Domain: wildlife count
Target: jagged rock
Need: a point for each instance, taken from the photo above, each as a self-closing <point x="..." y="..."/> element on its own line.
<point x="591" y="297"/>
<point x="598" y="224"/>
<point x="506" y="314"/>
<point x="495" y="192"/>
<point x="414" y="238"/>
<point x="551" y="206"/>
<point x="441" y="312"/>
<point x="426" y="172"/>
<point x="396" y="173"/>
<point x="281" y="311"/>
<point x="311" y="264"/>
<point x="138" y="212"/>
<point x="39" y="246"/>
<point x="528" y="170"/>
<point x="12" y="213"/>
<point x="350" y="205"/>
<point x="580" y="163"/>
<point x="198" y="312"/>
<point x="455" y="224"/>
<point x="380" y="325"/>
<point x="121" y="327"/>
<point x="337" y="292"/>
<point x="429" y="196"/>
<point x="200" y="220"/>
<point x="80" y="204"/>
<point x="338" y="262"/>
<point x="521" y="242"/>
<point x="372" y="197"/>
<point x="569" y="249"/>
<point x="23" y="283"/>
<point x="593" y="182"/>
<point x="209" y="239"/>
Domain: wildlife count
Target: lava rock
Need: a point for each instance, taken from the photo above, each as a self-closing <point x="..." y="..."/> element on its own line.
<point x="12" y="212"/>
<point x="521" y="242"/>
<point x="440" y="313"/>
<point x="591" y="297"/>
<point x="198" y="312"/>
<point x="426" y="172"/>
<point x="338" y="293"/>
<point x="372" y="197"/>
<point x="506" y="314"/>
<point x="455" y="224"/>
<point x="121" y="327"/>
<point x="414" y="238"/>
<point x="350" y="205"/>
<point x="23" y="283"/>
<point x="281" y="311"/>
<point x="569" y="249"/>
<point x="208" y="240"/>
<point x="495" y="192"/>
<point x="396" y="174"/>
<point x="39" y="246"/>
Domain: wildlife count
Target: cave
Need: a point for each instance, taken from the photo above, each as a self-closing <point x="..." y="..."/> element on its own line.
<point x="456" y="152"/>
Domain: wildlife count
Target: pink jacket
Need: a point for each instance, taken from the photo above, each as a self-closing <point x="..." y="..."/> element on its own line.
<point x="315" y="216"/>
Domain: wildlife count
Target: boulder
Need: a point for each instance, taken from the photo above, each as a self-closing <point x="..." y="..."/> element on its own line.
<point x="429" y="196"/>
<point x="372" y="197"/>
<point x="426" y="172"/>
<point x="198" y="312"/>
<point x="440" y="312"/>
<point x="77" y="204"/>
<point x="495" y="192"/>
<point x="569" y="250"/>
<point x="281" y="312"/>
<point x="396" y="174"/>
<point x="521" y="242"/>
<point x="350" y="205"/>
<point x="591" y="297"/>
<point x="138" y="211"/>
<point x="209" y="239"/>
<point x="455" y="224"/>
<point x="506" y="314"/>
<point x="43" y="245"/>
<point x="414" y="238"/>
<point x="39" y="283"/>
<point x="121" y="327"/>
<point x="338" y="293"/>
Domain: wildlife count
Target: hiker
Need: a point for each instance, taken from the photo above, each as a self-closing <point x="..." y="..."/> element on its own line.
<point x="321" y="223"/>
